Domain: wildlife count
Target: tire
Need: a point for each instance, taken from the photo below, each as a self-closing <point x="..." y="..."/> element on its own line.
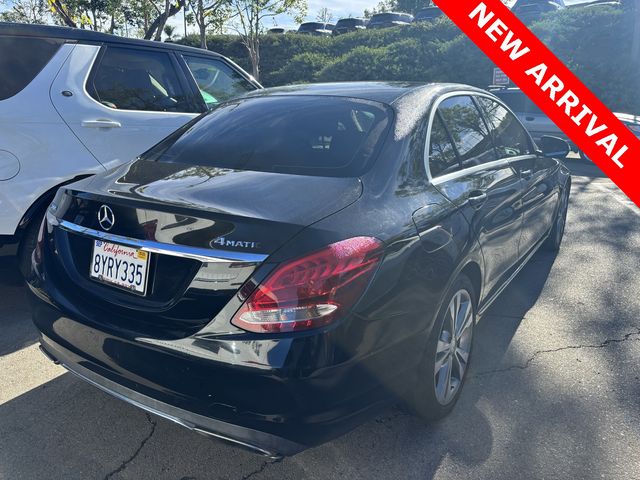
<point x="28" y="244"/>
<point x="554" y="240"/>
<point x="436" y="390"/>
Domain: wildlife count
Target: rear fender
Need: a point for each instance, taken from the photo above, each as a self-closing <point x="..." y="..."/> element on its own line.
<point x="36" y="210"/>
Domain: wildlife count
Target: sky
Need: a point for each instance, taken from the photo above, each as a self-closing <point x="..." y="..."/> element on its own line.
<point x="339" y="9"/>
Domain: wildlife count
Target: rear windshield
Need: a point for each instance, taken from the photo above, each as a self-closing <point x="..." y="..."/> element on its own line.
<point x="304" y="135"/>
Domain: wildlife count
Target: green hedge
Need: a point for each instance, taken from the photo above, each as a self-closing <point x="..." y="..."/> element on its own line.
<point x="593" y="42"/>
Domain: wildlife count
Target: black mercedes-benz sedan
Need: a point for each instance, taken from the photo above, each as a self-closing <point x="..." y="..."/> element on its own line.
<point x="282" y="267"/>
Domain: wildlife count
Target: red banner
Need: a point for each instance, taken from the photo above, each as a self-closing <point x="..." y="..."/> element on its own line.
<point x="551" y="86"/>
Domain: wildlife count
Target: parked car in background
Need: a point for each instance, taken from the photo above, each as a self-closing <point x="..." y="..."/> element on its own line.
<point x="428" y="14"/>
<point x="396" y="215"/>
<point x="539" y="124"/>
<point x="596" y="4"/>
<point x="75" y="102"/>
<point x="277" y="31"/>
<point x="530" y="10"/>
<point x="390" y="19"/>
<point x="534" y="119"/>
<point x="347" y="25"/>
<point x="316" y="28"/>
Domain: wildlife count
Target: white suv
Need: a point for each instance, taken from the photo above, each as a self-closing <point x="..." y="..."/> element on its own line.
<point x="75" y="102"/>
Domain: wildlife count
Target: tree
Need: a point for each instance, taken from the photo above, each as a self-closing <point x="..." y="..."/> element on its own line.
<point x="169" y="31"/>
<point x="25" y="11"/>
<point x="324" y="15"/>
<point x="250" y="16"/>
<point x="210" y="13"/>
<point x="98" y="15"/>
<point x="163" y="10"/>
<point x="58" y="8"/>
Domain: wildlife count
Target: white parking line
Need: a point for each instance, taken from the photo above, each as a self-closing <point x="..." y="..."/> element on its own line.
<point x="24" y="370"/>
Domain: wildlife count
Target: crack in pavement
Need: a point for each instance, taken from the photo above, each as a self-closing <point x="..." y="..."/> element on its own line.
<point x="536" y="354"/>
<point x="124" y="464"/>
<point x="262" y="467"/>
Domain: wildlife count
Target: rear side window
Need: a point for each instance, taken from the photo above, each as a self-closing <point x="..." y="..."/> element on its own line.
<point x="217" y="81"/>
<point x="468" y="131"/>
<point x="304" y="135"/>
<point x="510" y="137"/>
<point x="442" y="155"/>
<point x="21" y="59"/>
<point x="132" y="79"/>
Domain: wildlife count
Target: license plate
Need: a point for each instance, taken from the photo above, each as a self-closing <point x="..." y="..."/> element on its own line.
<point x="120" y="266"/>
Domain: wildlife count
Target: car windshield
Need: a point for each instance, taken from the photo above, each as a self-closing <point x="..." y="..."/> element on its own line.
<point x="305" y="135"/>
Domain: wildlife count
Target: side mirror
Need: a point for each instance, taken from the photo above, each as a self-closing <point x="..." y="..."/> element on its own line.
<point x="554" y="147"/>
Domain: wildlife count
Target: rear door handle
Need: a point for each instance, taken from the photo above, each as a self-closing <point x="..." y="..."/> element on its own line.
<point x="529" y="119"/>
<point x="477" y="199"/>
<point x="101" y="123"/>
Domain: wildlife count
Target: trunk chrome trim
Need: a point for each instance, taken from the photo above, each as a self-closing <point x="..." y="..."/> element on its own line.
<point x="201" y="254"/>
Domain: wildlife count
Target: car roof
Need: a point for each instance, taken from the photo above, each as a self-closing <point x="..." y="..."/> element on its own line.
<point x="382" y="92"/>
<point x="379" y="14"/>
<point x="80" y="35"/>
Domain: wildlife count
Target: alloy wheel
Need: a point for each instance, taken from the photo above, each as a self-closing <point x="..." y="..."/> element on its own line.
<point x="454" y="347"/>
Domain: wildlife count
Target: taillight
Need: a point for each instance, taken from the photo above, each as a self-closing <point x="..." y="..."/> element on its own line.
<point x="311" y="291"/>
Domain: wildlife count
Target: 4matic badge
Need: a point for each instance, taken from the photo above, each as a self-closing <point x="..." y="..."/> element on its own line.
<point x="225" y="242"/>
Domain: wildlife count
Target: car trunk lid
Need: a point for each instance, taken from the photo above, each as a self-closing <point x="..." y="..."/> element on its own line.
<point x="207" y="230"/>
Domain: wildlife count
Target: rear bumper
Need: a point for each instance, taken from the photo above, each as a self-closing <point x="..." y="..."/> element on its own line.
<point x="273" y="396"/>
<point x="257" y="441"/>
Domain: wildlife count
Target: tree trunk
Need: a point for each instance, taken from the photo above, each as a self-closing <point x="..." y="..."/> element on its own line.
<point x="254" y="54"/>
<point x="60" y="10"/>
<point x="162" y="22"/>
<point x="156" y="27"/>
<point x="203" y="36"/>
<point x="202" y="25"/>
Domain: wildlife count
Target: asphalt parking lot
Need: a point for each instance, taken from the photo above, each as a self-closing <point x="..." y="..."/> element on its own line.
<point x="554" y="389"/>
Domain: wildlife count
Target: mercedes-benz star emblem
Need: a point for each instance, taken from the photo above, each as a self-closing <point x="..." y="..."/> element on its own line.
<point x="106" y="218"/>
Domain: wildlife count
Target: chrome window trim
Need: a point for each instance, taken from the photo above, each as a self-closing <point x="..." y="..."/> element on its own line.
<point x="477" y="168"/>
<point x="465" y="171"/>
<point x="201" y="254"/>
